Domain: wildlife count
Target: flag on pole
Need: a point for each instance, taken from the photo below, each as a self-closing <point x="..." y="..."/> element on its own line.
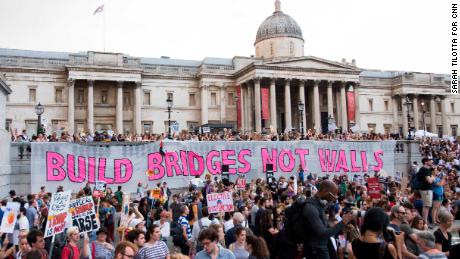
<point x="99" y="9"/>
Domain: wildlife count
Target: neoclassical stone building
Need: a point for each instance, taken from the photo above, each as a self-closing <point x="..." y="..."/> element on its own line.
<point x="89" y="91"/>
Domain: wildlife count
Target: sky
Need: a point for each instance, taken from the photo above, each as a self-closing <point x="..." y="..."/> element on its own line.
<point x="402" y="35"/>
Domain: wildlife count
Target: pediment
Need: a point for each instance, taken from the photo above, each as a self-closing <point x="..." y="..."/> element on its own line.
<point x="312" y="62"/>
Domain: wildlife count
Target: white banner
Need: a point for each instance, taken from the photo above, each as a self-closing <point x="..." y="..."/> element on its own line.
<point x="72" y="165"/>
<point x="9" y="217"/>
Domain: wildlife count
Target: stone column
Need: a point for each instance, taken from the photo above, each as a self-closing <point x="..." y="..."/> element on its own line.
<point x="223" y="103"/>
<point x="343" y="103"/>
<point x="273" y="120"/>
<point x="257" y="108"/>
<point x="395" y="124"/>
<point x="287" y="105"/>
<point x="71" y="107"/>
<point x="357" y="114"/>
<point x="445" y="127"/>
<point x="434" y="127"/>
<point x="302" y="85"/>
<point x="243" y="115"/>
<point x="204" y="104"/>
<point x="250" y="109"/>
<point x="416" y="114"/>
<point x="316" y="112"/>
<point x="119" y="115"/>
<point x="338" y="111"/>
<point x="137" y="109"/>
<point x="330" y="102"/>
<point x="246" y="108"/>
<point x="90" y="106"/>
<point x="404" y="116"/>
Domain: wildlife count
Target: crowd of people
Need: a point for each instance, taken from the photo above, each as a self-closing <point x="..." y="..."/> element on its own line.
<point x="297" y="215"/>
<point x="223" y="135"/>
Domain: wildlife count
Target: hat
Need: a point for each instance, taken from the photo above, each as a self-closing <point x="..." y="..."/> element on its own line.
<point x="102" y="230"/>
<point x="134" y="222"/>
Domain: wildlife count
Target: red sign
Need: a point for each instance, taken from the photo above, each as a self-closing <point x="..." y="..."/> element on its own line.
<point x="265" y="93"/>
<point x="373" y="186"/>
<point x="241" y="183"/>
<point x="238" y="106"/>
<point x="351" y="106"/>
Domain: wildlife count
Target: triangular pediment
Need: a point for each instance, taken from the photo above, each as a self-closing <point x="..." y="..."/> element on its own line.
<point x="311" y="62"/>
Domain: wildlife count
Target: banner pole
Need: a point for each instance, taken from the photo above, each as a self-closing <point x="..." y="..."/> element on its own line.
<point x="51" y="248"/>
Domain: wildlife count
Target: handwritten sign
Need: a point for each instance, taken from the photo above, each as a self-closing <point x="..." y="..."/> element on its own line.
<point x="373" y="187"/>
<point x="99" y="189"/>
<point x="124" y="217"/>
<point x="9" y="217"/>
<point x="220" y="202"/>
<point x="59" y="208"/>
<point x="83" y="214"/>
<point x="241" y="183"/>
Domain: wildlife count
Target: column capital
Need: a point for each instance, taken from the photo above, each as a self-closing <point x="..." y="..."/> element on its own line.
<point x="272" y="80"/>
<point x="91" y="83"/>
<point x="330" y="83"/>
<point x="70" y="81"/>
<point x="138" y="84"/>
<point x="356" y="84"/>
<point x="415" y="95"/>
<point x="256" y="79"/>
<point x="120" y="84"/>
<point x="316" y="82"/>
<point x="287" y="80"/>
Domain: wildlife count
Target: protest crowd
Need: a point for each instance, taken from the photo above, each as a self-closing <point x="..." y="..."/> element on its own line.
<point x="306" y="215"/>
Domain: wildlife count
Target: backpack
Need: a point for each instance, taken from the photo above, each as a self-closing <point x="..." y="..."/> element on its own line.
<point x="294" y="223"/>
<point x="415" y="183"/>
<point x="58" y="247"/>
<point x="199" y="246"/>
<point x="176" y="234"/>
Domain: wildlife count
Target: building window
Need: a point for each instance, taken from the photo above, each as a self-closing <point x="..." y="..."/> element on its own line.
<point x="213" y="98"/>
<point x="104" y="94"/>
<point x="58" y="95"/>
<point x="399" y="107"/>
<point x="452" y="107"/>
<point x="80" y="95"/>
<point x="387" y="128"/>
<point x="146" y="98"/>
<point x="191" y="99"/>
<point x="438" y="107"/>
<point x="386" y="105"/>
<point x="32" y="95"/>
<point x="57" y="126"/>
<point x="231" y="99"/>
<point x="440" y="133"/>
<point x="167" y="124"/>
<point x="454" y="130"/>
<point x="371" y="127"/>
<point x="291" y="48"/>
<point x="126" y="100"/>
<point x="31" y="127"/>
<point x="371" y="104"/>
<point x="8" y="124"/>
<point x="192" y="126"/>
<point x="147" y="127"/>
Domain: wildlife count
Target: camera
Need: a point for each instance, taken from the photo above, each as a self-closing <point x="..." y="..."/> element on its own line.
<point x="350" y="207"/>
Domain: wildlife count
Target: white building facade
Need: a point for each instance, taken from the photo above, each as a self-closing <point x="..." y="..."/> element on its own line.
<point x="90" y="91"/>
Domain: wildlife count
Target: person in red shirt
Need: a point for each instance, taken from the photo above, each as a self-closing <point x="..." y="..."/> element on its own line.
<point x="71" y="250"/>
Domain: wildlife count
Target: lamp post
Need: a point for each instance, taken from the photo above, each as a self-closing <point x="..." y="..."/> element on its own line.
<point x="301" y="107"/>
<point x="423" y="118"/>
<point x="235" y="98"/>
<point x="39" y="110"/>
<point x="169" y="101"/>
<point x="408" y="103"/>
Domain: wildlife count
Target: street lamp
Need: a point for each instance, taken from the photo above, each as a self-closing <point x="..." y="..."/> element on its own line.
<point x="39" y="110"/>
<point x="301" y="107"/>
<point x="423" y="118"/>
<point x="408" y="104"/>
<point x="235" y="98"/>
<point x="169" y="101"/>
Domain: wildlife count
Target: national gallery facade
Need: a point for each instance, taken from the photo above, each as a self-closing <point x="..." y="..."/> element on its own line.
<point x="277" y="89"/>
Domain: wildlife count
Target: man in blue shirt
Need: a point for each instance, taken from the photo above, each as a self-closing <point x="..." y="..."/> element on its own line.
<point x="209" y="238"/>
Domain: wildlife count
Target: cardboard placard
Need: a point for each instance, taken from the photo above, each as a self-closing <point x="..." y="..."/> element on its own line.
<point x="83" y="214"/>
<point x="57" y="215"/>
<point x="10" y="217"/>
<point x="99" y="189"/>
<point x="220" y="202"/>
<point x="156" y="193"/>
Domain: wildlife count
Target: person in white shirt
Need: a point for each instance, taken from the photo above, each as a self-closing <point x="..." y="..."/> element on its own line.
<point x="22" y="225"/>
<point x="165" y="227"/>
